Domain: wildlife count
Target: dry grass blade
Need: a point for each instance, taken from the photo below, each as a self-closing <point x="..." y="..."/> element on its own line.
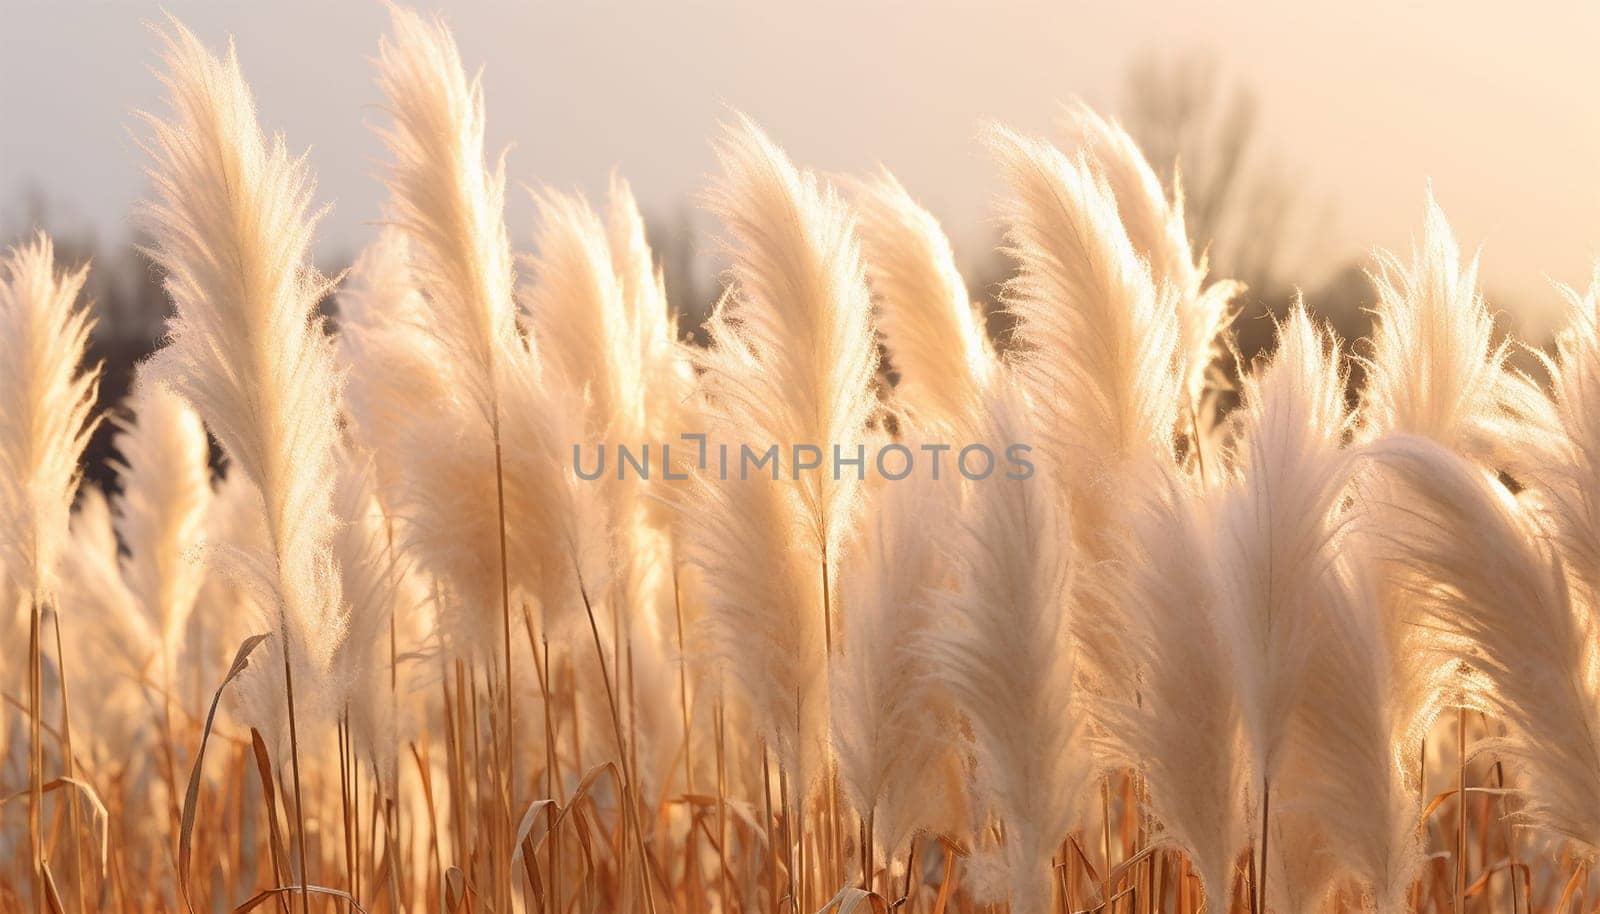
<point x="851" y="898"/>
<point x="101" y="815"/>
<point x="191" y="794"/>
<point x="266" y="895"/>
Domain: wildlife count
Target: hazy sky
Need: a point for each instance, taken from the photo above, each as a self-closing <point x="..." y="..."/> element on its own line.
<point x="1365" y="100"/>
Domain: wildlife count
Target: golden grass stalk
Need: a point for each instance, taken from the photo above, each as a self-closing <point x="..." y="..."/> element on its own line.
<point x="451" y="204"/>
<point x="232" y="228"/>
<point x="45" y="402"/>
<point x="1278" y="526"/>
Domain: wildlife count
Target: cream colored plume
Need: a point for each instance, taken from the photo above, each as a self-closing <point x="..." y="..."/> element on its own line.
<point x="448" y="200"/>
<point x="233" y="230"/>
<point x="1097" y="341"/>
<point x="793" y="357"/>
<point x="1154" y="222"/>
<point x="1435" y="368"/>
<point x="1278" y="528"/>
<point x="1500" y="603"/>
<point x="395" y="367"/>
<point x="891" y="725"/>
<point x="165" y="476"/>
<point x="46" y="395"/>
<point x="582" y="320"/>
<point x="934" y="333"/>
<point x="491" y="416"/>
<point x="377" y="588"/>
<point x="652" y="320"/>
<point x="114" y="650"/>
<point x="1183" y="728"/>
<point x="1098" y="337"/>
<point x="117" y="633"/>
<point x="1353" y="772"/>
<point x="665" y="367"/>
<point x="1561" y="462"/>
<point x="1005" y="652"/>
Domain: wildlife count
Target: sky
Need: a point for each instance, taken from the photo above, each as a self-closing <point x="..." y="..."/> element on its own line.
<point x="1365" y="102"/>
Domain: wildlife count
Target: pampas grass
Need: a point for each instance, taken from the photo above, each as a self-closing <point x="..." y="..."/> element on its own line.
<point x="1006" y="654"/>
<point x="791" y="362"/>
<point x="1183" y="731"/>
<point x="887" y="713"/>
<point x="1436" y="368"/>
<point x="1130" y="648"/>
<point x="45" y="402"/>
<point x="1099" y="339"/>
<point x="1153" y="219"/>
<point x="166" y="479"/>
<point x="934" y="333"/>
<point x="233" y="230"/>
<point x="45" y="419"/>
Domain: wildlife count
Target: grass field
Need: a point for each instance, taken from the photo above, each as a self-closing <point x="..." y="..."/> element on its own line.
<point x="490" y="593"/>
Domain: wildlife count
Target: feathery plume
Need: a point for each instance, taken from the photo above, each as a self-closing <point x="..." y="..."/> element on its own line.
<point x="1183" y="731"/>
<point x="110" y="661"/>
<point x="373" y="584"/>
<point x="166" y="490"/>
<point x="792" y="358"/>
<point x="1098" y="341"/>
<point x="645" y="300"/>
<point x="1353" y="783"/>
<point x="791" y="363"/>
<point x="448" y="200"/>
<point x="762" y="608"/>
<point x="1503" y="607"/>
<point x="396" y="368"/>
<point x="1007" y="657"/>
<point x="45" y="399"/>
<point x="890" y="725"/>
<point x="233" y="229"/>
<point x="118" y="626"/>
<point x="1435" y="369"/>
<point x="934" y="333"/>
<point x="1155" y="226"/>
<point x="583" y="323"/>
<point x="1097" y="354"/>
<point x="1278" y="527"/>
<point x="1561" y="463"/>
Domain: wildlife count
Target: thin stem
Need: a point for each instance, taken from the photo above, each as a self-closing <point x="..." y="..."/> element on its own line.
<point x="294" y="761"/>
<point x="683" y="689"/>
<point x="505" y="616"/>
<point x="772" y="845"/>
<point x="1266" y="832"/>
<point x="1461" y="810"/>
<point x="69" y="759"/>
<point x="1194" y="436"/>
<point x="629" y="797"/>
<point x="866" y="849"/>
<point x="722" y="809"/>
<point x="36" y="756"/>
